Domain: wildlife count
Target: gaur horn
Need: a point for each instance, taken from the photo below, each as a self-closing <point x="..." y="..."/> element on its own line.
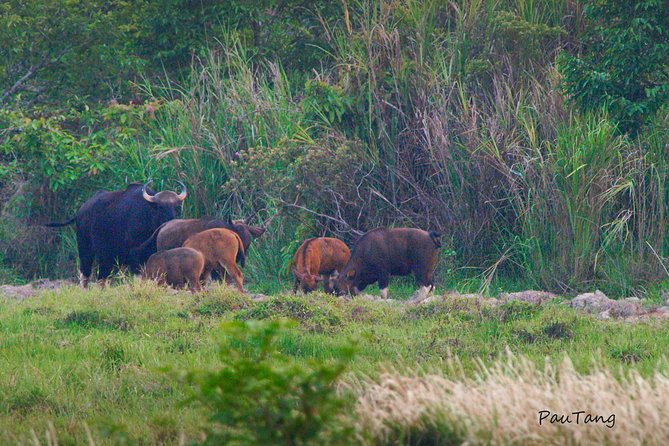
<point x="147" y="197"/>
<point x="182" y="195"/>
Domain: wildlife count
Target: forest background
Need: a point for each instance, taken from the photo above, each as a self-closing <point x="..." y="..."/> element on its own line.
<point x="532" y="134"/>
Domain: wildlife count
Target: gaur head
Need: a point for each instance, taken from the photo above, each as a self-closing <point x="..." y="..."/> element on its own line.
<point x="342" y="284"/>
<point x="328" y="284"/>
<point x="245" y="231"/>
<point x="308" y="281"/>
<point x="166" y="202"/>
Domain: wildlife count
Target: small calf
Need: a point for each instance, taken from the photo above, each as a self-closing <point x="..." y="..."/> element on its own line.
<point x="221" y="248"/>
<point x="315" y="260"/>
<point x="176" y="267"/>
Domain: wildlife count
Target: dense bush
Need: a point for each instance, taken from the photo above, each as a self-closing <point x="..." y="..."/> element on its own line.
<point x="623" y="64"/>
<point x="262" y="396"/>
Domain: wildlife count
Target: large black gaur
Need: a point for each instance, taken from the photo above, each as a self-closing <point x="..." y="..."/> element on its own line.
<point x="110" y="224"/>
<point x="381" y="253"/>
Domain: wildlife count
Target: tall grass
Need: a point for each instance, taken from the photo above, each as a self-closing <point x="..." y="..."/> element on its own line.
<point x="469" y="133"/>
<point x="228" y="104"/>
<point x="502" y="405"/>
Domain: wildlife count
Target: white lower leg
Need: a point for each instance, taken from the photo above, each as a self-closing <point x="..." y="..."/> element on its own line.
<point x="102" y="283"/>
<point x="384" y="293"/>
<point x="83" y="280"/>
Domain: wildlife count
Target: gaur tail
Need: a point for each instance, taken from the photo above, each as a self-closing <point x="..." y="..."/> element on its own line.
<point x="241" y="255"/>
<point x="436" y="238"/>
<point x="58" y="225"/>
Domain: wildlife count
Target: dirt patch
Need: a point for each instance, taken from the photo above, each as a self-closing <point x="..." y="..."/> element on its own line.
<point x="20" y="292"/>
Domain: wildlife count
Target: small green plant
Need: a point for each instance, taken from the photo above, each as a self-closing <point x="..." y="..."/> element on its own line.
<point x="262" y="396"/>
<point x="113" y="356"/>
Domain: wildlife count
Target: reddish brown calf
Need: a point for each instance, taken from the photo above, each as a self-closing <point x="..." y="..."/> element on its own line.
<point x="316" y="258"/>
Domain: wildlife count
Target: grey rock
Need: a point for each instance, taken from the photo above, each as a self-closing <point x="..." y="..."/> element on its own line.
<point x="529" y="296"/>
<point x="455" y="295"/>
<point x="623" y="308"/>
<point x="604" y="307"/>
<point x="258" y="297"/>
<point x="48" y="284"/>
<point x="596" y="302"/>
<point x="429" y="299"/>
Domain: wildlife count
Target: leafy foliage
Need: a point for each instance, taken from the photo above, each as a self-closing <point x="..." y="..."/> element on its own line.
<point x="623" y="66"/>
<point x="262" y="396"/>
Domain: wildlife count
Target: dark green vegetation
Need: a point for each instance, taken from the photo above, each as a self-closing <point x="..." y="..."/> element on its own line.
<point x="117" y="361"/>
<point x="533" y="134"/>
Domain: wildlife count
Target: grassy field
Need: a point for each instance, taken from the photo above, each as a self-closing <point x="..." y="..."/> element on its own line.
<point x="100" y="364"/>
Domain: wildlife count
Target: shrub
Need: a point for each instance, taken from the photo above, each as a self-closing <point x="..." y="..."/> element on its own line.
<point x="623" y="66"/>
<point x="262" y="396"/>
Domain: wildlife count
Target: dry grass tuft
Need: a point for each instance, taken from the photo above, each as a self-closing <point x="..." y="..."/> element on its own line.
<point x="500" y="405"/>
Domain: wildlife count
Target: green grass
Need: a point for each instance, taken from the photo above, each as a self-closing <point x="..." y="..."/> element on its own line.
<point x="105" y="359"/>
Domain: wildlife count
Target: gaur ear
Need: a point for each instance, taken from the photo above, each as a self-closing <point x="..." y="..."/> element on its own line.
<point x="298" y="275"/>
<point x="256" y="231"/>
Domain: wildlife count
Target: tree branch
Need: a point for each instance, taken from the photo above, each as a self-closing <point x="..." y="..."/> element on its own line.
<point x="45" y="62"/>
<point x="329" y="217"/>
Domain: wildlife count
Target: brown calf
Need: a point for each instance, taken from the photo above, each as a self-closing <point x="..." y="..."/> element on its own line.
<point x="316" y="257"/>
<point x="221" y="248"/>
<point x="176" y="267"/>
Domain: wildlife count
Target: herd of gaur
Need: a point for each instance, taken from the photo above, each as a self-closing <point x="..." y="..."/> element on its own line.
<point x="138" y="228"/>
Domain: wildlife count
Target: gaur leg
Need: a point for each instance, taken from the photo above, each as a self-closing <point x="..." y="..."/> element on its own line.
<point x="194" y="285"/>
<point x="206" y="274"/>
<point x="424" y="278"/>
<point x="228" y="279"/>
<point x="192" y="279"/>
<point x="106" y="266"/>
<point x="384" y="280"/>
<point x="236" y="274"/>
<point x="86" y="257"/>
<point x="296" y="286"/>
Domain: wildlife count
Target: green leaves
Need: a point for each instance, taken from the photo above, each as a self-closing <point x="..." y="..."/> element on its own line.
<point x="624" y="64"/>
<point x="263" y="396"/>
<point x="49" y="151"/>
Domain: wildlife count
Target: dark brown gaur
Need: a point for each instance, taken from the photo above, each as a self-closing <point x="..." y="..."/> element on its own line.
<point x="383" y="252"/>
<point x="175" y="232"/>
